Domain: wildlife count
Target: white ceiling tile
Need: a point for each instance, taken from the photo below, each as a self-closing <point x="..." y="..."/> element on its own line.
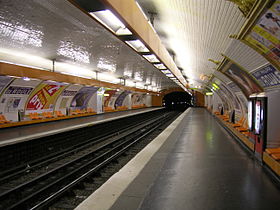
<point x="195" y="30"/>
<point x="58" y="30"/>
<point x="245" y="56"/>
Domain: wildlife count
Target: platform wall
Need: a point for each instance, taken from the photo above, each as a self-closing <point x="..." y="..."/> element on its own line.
<point x="21" y="96"/>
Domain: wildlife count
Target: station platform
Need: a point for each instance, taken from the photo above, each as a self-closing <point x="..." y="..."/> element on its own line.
<point x="193" y="164"/>
<point x="14" y="135"/>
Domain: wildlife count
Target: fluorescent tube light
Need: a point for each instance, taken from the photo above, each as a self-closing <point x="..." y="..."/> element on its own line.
<point x="165" y="71"/>
<point x="106" y="77"/>
<point x="169" y="75"/>
<point x="160" y="66"/>
<point x="151" y="58"/>
<point x="137" y="45"/>
<point x="109" y="20"/>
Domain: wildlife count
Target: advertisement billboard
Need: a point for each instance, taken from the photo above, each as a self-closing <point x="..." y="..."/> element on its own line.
<point x="81" y="99"/>
<point x="44" y="96"/>
<point x="241" y="78"/>
<point x="257" y="117"/>
<point x="267" y="76"/>
<point x="119" y="101"/>
<point x="265" y="35"/>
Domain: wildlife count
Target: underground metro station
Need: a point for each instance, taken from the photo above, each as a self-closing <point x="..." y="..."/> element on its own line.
<point x="140" y="104"/>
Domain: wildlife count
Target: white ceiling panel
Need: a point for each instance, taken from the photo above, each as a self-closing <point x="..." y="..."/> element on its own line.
<point x="195" y="30"/>
<point x="245" y="56"/>
<point x="57" y="30"/>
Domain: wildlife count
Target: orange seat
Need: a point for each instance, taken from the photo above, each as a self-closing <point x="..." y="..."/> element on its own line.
<point x="58" y="114"/>
<point x="273" y="150"/>
<point x="121" y="108"/>
<point x="217" y="113"/>
<point x="3" y="119"/>
<point x="239" y="123"/>
<point x="246" y="133"/>
<point x="276" y="156"/>
<point x="138" y="106"/>
<point x="108" y="109"/>
<point x="90" y="110"/>
<point x="225" y="116"/>
<point x="242" y="129"/>
<point x="47" y="115"/>
<point x="76" y="112"/>
<point x="34" y="116"/>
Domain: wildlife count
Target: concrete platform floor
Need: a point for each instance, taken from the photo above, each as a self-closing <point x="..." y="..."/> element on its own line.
<point x="198" y="167"/>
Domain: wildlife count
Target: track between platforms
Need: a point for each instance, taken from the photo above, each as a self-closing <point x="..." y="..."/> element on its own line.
<point x="51" y="177"/>
<point x="25" y="154"/>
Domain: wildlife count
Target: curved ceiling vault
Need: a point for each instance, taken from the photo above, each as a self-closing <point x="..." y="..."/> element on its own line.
<point x="198" y="30"/>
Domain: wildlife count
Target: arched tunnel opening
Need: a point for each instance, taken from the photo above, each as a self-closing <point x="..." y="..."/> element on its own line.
<point x="177" y="101"/>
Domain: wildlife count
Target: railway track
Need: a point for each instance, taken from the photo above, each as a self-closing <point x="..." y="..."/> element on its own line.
<point x="23" y="155"/>
<point x="50" y="179"/>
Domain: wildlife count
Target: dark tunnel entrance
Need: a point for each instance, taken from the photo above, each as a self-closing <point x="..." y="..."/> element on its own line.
<point x="177" y="101"/>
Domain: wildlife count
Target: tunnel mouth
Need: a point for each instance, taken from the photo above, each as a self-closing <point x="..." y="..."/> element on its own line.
<point x="179" y="101"/>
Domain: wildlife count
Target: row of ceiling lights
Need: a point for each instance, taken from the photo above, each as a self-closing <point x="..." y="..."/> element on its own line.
<point x="111" y="22"/>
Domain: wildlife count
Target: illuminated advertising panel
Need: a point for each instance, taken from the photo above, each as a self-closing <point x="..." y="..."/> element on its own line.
<point x="257" y="117"/>
<point x="250" y="115"/>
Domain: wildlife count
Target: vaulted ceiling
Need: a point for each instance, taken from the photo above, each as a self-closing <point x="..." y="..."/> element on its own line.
<point x="198" y="30"/>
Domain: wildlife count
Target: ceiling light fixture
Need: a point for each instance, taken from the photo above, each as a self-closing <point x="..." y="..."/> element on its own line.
<point x="165" y="71"/>
<point x="74" y="70"/>
<point x="106" y="77"/>
<point x="169" y="75"/>
<point x="151" y="58"/>
<point x="160" y="66"/>
<point x="109" y="20"/>
<point x="137" y="45"/>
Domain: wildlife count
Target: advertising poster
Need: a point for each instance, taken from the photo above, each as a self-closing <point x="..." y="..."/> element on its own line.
<point x="241" y="78"/>
<point x="119" y="101"/>
<point x="14" y="97"/>
<point x="82" y="97"/>
<point x="224" y="99"/>
<point x="265" y="35"/>
<point x="243" y="100"/>
<point x="267" y="76"/>
<point x="65" y="97"/>
<point x="230" y="96"/>
<point x="4" y="81"/>
<point x="44" y="96"/>
<point x="250" y="115"/>
<point x="137" y="99"/>
<point x="108" y="94"/>
<point x="257" y="117"/>
<point x="233" y="87"/>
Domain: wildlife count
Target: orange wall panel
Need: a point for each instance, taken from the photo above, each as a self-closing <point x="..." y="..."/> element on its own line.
<point x="199" y="99"/>
<point x="156" y="100"/>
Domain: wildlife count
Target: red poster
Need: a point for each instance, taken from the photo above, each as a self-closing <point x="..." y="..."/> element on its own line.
<point x="37" y="101"/>
<point x="44" y="97"/>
